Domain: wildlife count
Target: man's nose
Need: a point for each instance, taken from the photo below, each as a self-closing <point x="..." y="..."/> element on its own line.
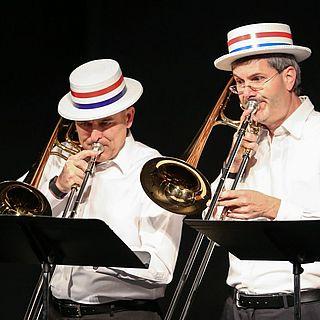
<point x="96" y="135"/>
<point x="248" y="92"/>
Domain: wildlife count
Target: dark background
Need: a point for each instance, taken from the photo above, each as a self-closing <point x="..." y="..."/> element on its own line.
<point x="169" y="46"/>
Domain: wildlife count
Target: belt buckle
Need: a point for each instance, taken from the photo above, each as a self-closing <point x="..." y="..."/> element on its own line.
<point x="77" y="310"/>
<point x="237" y="298"/>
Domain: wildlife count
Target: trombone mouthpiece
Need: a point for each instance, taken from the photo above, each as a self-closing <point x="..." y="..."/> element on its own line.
<point x="97" y="146"/>
<point x="252" y="105"/>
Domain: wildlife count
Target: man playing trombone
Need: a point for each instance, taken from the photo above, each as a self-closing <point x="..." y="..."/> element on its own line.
<point x="100" y="102"/>
<point x="281" y="180"/>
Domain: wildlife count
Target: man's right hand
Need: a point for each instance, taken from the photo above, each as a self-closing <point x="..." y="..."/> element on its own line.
<point x="73" y="171"/>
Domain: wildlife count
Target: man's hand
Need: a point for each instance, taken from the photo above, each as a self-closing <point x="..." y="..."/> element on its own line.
<point x="73" y="171"/>
<point x="249" y="204"/>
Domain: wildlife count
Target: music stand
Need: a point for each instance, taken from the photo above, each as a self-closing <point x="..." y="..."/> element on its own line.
<point x="62" y="241"/>
<point x="293" y="241"/>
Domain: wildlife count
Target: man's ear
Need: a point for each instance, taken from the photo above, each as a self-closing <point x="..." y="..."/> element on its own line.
<point x="130" y="116"/>
<point x="290" y="76"/>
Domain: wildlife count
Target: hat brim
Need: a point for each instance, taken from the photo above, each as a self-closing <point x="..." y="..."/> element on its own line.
<point x="68" y="111"/>
<point x="224" y="62"/>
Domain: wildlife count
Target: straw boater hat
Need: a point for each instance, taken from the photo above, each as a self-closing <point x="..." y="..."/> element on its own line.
<point x="97" y="90"/>
<point x="260" y="38"/>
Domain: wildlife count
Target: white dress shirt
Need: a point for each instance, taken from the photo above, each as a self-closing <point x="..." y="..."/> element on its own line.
<point x="288" y="168"/>
<point x="114" y="194"/>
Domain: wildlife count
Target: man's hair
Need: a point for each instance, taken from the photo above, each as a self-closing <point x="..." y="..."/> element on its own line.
<point x="278" y="61"/>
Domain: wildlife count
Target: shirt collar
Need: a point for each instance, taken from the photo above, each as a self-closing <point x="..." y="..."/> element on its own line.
<point x="296" y="121"/>
<point x="122" y="158"/>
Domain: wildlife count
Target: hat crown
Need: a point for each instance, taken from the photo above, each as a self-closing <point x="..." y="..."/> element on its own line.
<point x="95" y="75"/>
<point x="258" y="27"/>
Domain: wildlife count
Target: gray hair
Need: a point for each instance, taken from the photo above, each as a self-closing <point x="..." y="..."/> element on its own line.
<point x="278" y="61"/>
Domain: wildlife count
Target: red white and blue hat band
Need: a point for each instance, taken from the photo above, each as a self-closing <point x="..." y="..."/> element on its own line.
<point x="99" y="98"/>
<point x="259" y="40"/>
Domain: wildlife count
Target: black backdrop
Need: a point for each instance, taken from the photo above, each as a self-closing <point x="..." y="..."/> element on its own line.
<point x="167" y="45"/>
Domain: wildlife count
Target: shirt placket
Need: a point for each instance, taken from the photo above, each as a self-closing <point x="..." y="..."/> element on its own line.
<point x="248" y="267"/>
<point x="276" y="164"/>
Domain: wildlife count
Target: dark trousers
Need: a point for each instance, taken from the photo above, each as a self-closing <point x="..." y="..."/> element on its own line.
<point x="309" y="311"/>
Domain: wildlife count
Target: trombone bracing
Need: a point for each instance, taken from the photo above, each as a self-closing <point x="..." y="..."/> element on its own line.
<point x="179" y="187"/>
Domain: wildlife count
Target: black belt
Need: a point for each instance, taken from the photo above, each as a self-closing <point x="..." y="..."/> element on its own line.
<point x="73" y="309"/>
<point x="274" y="300"/>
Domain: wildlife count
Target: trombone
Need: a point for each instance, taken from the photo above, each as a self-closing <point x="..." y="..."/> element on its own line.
<point x="40" y="298"/>
<point x="23" y="198"/>
<point x="179" y="187"/>
<point x="36" y="305"/>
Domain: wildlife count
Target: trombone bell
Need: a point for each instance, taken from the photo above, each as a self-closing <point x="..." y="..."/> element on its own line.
<point x="175" y="185"/>
<point x="21" y="199"/>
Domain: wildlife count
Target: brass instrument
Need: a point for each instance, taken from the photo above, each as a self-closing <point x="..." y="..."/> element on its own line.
<point x="23" y="198"/>
<point x="40" y="297"/>
<point x="176" y="185"/>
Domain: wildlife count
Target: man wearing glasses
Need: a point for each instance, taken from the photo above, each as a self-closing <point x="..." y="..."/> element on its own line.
<point x="282" y="178"/>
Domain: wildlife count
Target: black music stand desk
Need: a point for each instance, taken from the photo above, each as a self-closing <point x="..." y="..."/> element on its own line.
<point x="293" y="241"/>
<point x="62" y="241"/>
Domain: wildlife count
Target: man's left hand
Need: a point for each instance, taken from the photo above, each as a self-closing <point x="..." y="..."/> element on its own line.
<point x="249" y="204"/>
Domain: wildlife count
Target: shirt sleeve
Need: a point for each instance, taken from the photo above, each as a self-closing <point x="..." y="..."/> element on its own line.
<point x="160" y="233"/>
<point x="290" y="211"/>
<point x="52" y="169"/>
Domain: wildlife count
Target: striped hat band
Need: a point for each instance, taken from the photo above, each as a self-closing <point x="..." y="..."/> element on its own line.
<point x="103" y="96"/>
<point x="259" y="39"/>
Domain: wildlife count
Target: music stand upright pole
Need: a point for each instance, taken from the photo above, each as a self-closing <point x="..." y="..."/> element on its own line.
<point x="297" y="270"/>
<point x="45" y="294"/>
